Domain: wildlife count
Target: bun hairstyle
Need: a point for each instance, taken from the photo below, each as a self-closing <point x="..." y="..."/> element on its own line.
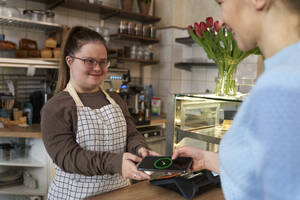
<point x="74" y="40"/>
<point x="293" y="5"/>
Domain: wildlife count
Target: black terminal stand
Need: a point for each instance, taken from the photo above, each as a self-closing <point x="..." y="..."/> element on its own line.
<point x="189" y="185"/>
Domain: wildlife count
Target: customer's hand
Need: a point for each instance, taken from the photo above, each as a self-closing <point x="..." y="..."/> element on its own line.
<point x="129" y="169"/>
<point x="143" y="152"/>
<point x="196" y="154"/>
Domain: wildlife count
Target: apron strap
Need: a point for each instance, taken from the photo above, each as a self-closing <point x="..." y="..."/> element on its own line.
<point x="77" y="100"/>
<point x="74" y="94"/>
<point x="111" y="100"/>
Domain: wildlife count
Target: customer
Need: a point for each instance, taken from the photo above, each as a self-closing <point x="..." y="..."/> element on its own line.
<point x="259" y="155"/>
<point x="86" y="130"/>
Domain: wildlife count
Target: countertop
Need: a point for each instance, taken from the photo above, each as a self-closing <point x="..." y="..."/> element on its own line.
<point x="145" y="191"/>
<point x="34" y="131"/>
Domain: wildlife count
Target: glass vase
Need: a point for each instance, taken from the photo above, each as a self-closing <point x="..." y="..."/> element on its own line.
<point x="226" y="83"/>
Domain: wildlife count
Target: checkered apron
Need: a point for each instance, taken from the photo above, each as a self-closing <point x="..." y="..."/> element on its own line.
<point x="101" y="129"/>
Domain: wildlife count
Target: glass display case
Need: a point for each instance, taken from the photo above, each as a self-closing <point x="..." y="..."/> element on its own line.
<point x="199" y="120"/>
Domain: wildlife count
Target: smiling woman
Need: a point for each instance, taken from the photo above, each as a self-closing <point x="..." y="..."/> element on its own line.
<point x="87" y="131"/>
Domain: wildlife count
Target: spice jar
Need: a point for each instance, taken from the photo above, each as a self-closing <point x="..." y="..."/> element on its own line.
<point x="146" y="31"/>
<point x="123" y="26"/>
<point x="139" y="29"/>
<point x="152" y="31"/>
<point x="131" y="28"/>
<point x="133" y="53"/>
<point x="140" y="53"/>
<point x="146" y="54"/>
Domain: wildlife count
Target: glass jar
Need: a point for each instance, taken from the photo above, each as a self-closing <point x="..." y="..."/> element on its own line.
<point x="152" y="31"/>
<point x="50" y="16"/>
<point x="146" y="54"/>
<point x="133" y="53"/>
<point x="139" y="29"/>
<point x="131" y="28"/>
<point x="140" y="53"/>
<point x="8" y="11"/>
<point x="124" y="27"/>
<point x="146" y="31"/>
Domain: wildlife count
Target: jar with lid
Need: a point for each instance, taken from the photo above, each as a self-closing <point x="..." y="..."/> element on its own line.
<point x="140" y="53"/>
<point x="123" y="27"/>
<point x="150" y="49"/>
<point x="133" y="53"/>
<point x="146" y="31"/>
<point x="152" y="31"/>
<point x="139" y="29"/>
<point x="8" y="11"/>
<point x="146" y="54"/>
<point x="50" y="16"/>
<point x="131" y="28"/>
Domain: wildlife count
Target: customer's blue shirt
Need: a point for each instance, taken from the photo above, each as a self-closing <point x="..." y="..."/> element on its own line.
<point x="260" y="154"/>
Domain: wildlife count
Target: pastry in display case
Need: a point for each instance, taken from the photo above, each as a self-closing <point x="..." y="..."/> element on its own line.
<point x="199" y="120"/>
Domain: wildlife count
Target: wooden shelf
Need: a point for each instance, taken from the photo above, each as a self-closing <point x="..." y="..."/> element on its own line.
<point x="149" y="62"/>
<point x="33" y="131"/>
<point x="123" y="36"/>
<point x="21" y="190"/>
<point x="26" y="63"/>
<point x="26" y="23"/>
<point x="185" y="40"/>
<point x="105" y="11"/>
<point x="22" y="162"/>
<point x="188" y="65"/>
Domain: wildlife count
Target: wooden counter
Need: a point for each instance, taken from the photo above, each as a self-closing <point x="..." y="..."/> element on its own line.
<point x="145" y="191"/>
<point x="33" y="131"/>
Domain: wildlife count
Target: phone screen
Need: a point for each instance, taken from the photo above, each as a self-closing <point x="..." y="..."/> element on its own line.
<point x="165" y="163"/>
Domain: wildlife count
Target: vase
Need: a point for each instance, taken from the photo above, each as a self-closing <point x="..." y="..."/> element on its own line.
<point x="144" y="7"/>
<point x="127" y="5"/>
<point x="225" y="85"/>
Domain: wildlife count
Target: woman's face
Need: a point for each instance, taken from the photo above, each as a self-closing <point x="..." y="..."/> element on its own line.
<point x="84" y="75"/>
<point x="239" y="16"/>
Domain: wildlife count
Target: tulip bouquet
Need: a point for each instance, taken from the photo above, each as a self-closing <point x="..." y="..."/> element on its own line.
<point x="220" y="46"/>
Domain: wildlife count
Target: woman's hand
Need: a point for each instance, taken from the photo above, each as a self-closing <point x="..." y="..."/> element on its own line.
<point x="196" y="154"/>
<point x="129" y="169"/>
<point x="201" y="159"/>
<point x="143" y="152"/>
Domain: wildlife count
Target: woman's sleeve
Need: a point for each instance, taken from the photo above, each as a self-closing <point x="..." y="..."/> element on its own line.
<point x="57" y="119"/>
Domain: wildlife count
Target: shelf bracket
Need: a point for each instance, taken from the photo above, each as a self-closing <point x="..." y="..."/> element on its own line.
<point x="112" y="14"/>
<point x="55" y="4"/>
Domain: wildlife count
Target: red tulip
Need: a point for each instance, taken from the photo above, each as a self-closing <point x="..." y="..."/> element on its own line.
<point x="217" y="26"/>
<point x="190" y="27"/>
<point x="198" y="29"/>
<point x="209" y="22"/>
<point x="203" y="26"/>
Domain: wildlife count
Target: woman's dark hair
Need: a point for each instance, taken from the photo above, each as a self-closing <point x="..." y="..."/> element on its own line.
<point x="293" y="5"/>
<point x="75" y="39"/>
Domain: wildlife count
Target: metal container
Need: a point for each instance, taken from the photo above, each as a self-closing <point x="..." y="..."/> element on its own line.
<point x="36" y="15"/>
<point x="50" y="16"/>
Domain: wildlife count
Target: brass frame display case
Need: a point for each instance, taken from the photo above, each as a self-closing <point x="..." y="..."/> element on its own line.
<point x="199" y="120"/>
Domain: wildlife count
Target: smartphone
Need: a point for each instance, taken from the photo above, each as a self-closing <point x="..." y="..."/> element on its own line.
<point x="165" y="164"/>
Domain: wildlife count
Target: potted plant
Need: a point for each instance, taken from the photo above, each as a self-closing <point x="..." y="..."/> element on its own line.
<point x="144" y="6"/>
<point x="127" y="5"/>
